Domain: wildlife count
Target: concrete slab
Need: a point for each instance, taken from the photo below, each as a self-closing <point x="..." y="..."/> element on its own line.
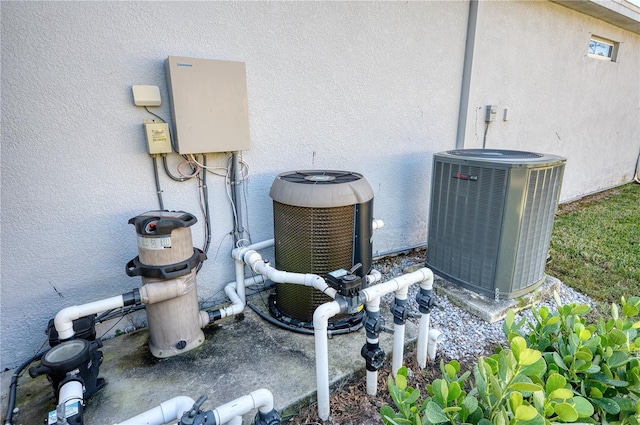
<point x="486" y="308"/>
<point x="240" y="355"/>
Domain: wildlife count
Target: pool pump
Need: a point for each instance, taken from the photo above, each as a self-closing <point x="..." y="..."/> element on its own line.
<point x="72" y="367"/>
<point x="167" y="263"/>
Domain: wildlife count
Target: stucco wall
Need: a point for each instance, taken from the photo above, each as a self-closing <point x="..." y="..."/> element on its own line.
<point x="367" y="87"/>
<point x="531" y="57"/>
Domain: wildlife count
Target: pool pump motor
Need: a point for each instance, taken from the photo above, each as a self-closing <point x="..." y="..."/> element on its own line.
<point x="167" y="263"/>
<point x="72" y="367"/>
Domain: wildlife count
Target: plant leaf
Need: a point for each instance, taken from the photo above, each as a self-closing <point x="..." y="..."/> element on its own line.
<point x="529" y="356"/>
<point x="566" y="412"/>
<point x="435" y="414"/>
<point x="607" y="405"/>
<point x="525" y="413"/>
<point x="583" y="407"/>
<point x="525" y="386"/>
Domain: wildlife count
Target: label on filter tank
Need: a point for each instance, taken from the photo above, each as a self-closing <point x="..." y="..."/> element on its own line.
<point x="154" y="243"/>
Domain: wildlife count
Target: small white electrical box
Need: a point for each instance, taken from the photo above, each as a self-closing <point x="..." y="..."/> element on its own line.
<point x="146" y="95"/>
<point x="492" y="110"/>
<point x="158" y="137"/>
<point x="208" y="105"/>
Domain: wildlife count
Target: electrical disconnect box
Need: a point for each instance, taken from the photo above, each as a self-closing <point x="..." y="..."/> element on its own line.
<point x="158" y="137"/>
<point x="492" y="110"/>
<point x="208" y="105"/>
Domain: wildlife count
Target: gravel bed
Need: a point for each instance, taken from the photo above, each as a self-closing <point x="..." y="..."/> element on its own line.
<point x="465" y="335"/>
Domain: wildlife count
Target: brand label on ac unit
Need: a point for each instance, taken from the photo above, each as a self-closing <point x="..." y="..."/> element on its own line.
<point x="463" y="176"/>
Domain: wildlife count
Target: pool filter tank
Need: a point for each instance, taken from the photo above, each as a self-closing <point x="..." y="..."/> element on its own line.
<point x="166" y="259"/>
<point x="322" y="223"/>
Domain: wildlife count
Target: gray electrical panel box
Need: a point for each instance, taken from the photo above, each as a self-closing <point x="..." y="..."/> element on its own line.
<point x="208" y="105"/>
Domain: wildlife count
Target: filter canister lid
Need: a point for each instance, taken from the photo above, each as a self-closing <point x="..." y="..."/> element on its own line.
<point x="320" y="188"/>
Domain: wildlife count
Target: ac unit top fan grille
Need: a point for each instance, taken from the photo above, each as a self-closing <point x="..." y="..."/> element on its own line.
<point x="321" y="177"/>
<point x="494" y="154"/>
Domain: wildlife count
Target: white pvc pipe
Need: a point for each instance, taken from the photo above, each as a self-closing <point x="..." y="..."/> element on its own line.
<point x="320" y="323"/>
<point x="377" y="224"/>
<point x="377" y="291"/>
<point x="423" y="328"/>
<point x="65" y="317"/>
<point x="232" y="292"/>
<point x="254" y="260"/>
<point x="372" y="306"/>
<point x="423" y="340"/>
<point x="398" y="337"/>
<point x="435" y="337"/>
<point x="374" y="276"/>
<point x="239" y="280"/>
<point x="71" y="391"/>
<point x="261" y="399"/>
<point x="168" y="411"/>
<point x="237" y="255"/>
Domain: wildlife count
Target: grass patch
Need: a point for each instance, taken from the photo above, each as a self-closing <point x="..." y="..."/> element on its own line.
<point x="595" y="244"/>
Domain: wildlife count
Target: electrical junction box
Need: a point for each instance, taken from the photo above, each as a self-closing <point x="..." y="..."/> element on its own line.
<point x="144" y="95"/>
<point x="492" y="110"/>
<point x="158" y="137"/>
<point x="208" y="105"/>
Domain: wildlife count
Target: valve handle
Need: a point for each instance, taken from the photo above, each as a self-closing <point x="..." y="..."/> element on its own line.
<point x="196" y="406"/>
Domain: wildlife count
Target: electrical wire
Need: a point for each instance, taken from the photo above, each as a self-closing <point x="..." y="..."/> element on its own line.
<point x="166" y="169"/>
<point x="484" y="139"/>
<point x="157" y="116"/>
<point x="13" y="387"/>
<point x="157" y="178"/>
<point x="204" y="204"/>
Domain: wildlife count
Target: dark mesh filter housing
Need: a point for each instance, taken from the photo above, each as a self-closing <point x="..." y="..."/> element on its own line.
<point x="322" y="222"/>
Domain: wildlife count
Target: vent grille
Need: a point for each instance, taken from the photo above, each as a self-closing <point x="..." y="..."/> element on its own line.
<point x="537" y="224"/>
<point x="491" y="219"/>
<point x="310" y="240"/>
<point x="465" y="222"/>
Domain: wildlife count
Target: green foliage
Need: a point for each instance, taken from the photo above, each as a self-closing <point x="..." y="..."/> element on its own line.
<point x="597" y="362"/>
<point x="560" y="369"/>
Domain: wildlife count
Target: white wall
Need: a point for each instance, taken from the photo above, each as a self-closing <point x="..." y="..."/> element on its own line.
<point x="366" y="87"/>
<point x="531" y="57"/>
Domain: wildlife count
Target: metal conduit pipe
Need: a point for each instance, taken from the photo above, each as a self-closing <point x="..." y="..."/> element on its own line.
<point x="167" y="411"/>
<point x="321" y="317"/>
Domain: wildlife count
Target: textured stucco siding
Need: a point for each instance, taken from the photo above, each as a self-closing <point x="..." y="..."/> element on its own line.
<point x="531" y="57"/>
<point x="368" y="87"/>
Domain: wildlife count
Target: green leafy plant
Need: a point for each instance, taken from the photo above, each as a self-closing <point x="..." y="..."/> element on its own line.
<point x="558" y="369"/>
<point x="597" y="362"/>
